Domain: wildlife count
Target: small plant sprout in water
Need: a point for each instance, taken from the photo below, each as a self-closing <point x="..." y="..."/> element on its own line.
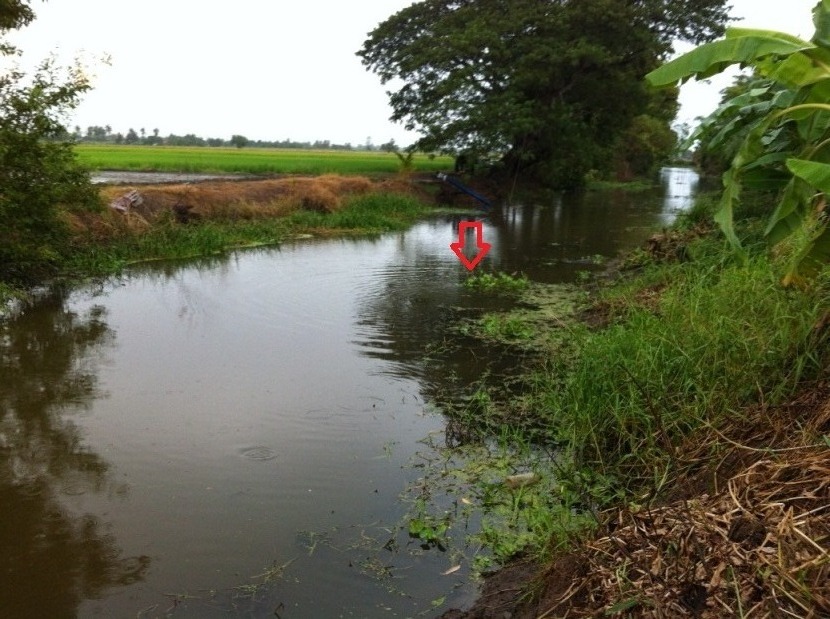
<point x="502" y="327"/>
<point x="388" y="448"/>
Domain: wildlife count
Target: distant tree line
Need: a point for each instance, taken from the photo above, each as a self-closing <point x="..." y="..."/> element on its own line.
<point x="96" y="134"/>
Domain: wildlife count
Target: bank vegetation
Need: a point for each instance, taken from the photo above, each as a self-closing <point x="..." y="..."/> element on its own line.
<point x="133" y="224"/>
<point x="685" y="407"/>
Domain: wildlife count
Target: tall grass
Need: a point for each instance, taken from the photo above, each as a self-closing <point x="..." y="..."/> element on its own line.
<point x="713" y="341"/>
<point x="377" y="212"/>
<point x="248" y="160"/>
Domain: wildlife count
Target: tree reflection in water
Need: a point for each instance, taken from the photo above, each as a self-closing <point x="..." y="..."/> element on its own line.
<point x="51" y="559"/>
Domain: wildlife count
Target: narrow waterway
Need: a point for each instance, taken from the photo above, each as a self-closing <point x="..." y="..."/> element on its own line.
<point x="232" y="436"/>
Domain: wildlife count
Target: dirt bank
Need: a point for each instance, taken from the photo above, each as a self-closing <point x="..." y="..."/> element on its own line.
<point x="746" y="534"/>
<point x="136" y="208"/>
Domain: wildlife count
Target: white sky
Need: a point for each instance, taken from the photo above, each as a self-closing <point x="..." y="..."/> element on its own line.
<point x="791" y="16"/>
<point x="266" y="69"/>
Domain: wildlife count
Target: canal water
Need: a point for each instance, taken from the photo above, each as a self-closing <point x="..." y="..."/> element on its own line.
<point x="234" y="436"/>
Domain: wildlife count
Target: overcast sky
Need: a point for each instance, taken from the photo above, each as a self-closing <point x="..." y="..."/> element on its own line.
<point x="266" y="69"/>
<point x="792" y="16"/>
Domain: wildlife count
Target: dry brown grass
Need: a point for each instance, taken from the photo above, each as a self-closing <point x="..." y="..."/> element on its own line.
<point x="757" y="544"/>
<point x="221" y="201"/>
<point x="106" y="225"/>
<point x="760" y="549"/>
<point x="313" y="194"/>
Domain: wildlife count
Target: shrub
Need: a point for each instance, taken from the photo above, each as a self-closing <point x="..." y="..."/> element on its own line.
<point x="39" y="174"/>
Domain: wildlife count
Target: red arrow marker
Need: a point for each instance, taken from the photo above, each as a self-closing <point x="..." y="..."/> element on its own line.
<point x="458" y="246"/>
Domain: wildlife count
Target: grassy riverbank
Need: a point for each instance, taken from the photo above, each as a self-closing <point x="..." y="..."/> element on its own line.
<point x="684" y="413"/>
<point x="178" y="221"/>
<point x="181" y="221"/>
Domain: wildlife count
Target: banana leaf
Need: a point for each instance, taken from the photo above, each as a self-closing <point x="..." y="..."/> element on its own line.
<point x="815" y="173"/>
<point x="788" y="216"/>
<point x="741" y="46"/>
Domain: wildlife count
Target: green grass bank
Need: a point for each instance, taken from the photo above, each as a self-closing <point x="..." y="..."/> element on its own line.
<point x="168" y="238"/>
<point x="675" y="424"/>
<point x="177" y="221"/>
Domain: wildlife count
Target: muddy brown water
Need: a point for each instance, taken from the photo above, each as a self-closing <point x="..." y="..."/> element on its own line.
<point x="232" y="436"/>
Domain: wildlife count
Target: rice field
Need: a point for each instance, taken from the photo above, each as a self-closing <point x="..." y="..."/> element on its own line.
<point x="213" y="160"/>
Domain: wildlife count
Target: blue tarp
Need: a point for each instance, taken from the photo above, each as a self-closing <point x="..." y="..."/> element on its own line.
<point x="463" y="188"/>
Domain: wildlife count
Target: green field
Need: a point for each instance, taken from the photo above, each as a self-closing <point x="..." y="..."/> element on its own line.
<point x="248" y="160"/>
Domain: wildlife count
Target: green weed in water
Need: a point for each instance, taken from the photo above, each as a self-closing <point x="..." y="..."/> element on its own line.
<point x="505" y="327"/>
<point x="486" y="503"/>
<point x="429" y="529"/>
<point x="497" y="283"/>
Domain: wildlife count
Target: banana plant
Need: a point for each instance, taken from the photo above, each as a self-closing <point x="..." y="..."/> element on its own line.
<point x="785" y="137"/>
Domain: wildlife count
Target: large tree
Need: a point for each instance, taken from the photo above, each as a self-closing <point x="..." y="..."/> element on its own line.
<point x="548" y="85"/>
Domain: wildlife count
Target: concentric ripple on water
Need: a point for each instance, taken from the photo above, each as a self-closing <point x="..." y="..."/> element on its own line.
<point x="258" y="452"/>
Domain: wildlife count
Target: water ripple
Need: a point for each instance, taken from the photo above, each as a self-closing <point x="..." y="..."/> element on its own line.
<point x="259" y="453"/>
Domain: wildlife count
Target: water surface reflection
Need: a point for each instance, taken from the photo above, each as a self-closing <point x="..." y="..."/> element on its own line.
<point x="257" y="414"/>
<point x="53" y="557"/>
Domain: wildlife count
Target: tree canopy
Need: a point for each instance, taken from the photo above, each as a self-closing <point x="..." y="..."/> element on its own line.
<point x="13" y="14"/>
<point x="547" y="85"/>
<point x="38" y="170"/>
